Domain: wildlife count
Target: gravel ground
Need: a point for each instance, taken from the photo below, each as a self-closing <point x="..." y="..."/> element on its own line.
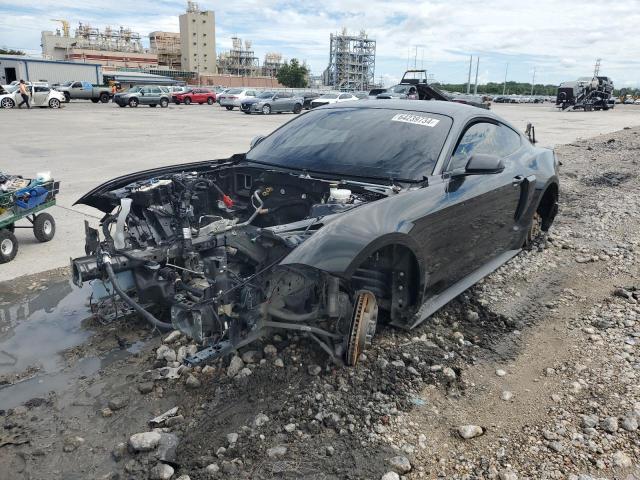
<point x="532" y="374"/>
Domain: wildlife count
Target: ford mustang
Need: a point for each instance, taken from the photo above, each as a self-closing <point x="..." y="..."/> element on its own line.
<point x="349" y="215"/>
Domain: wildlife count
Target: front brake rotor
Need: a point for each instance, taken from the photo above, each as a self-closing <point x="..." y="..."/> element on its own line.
<point x="363" y="325"/>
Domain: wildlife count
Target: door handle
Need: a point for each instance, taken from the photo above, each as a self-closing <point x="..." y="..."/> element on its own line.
<point x="517" y="180"/>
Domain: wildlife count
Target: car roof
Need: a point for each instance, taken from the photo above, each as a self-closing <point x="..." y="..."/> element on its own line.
<point x="460" y="113"/>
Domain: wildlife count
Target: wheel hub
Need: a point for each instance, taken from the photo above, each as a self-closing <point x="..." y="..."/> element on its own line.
<point x="6" y="247"/>
<point x="47" y="227"/>
<point x="363" y="325"/>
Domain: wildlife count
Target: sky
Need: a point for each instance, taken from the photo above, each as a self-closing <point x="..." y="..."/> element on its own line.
<point x="558" y="40"/>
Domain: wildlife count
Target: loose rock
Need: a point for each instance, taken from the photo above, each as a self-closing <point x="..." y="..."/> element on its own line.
<point x="470" y="431"/>
<point x="144" y="442"/>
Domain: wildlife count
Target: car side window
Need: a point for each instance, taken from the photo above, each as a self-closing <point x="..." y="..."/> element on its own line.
<point x="144" y="90"/>
<point x="86" y="85"/>
<point x="344" y="95"/>
<point x="76" y="85"/>
<point x="156" y="90"/>
<point x="484" y="138"/>
<point x="41" y="89"/>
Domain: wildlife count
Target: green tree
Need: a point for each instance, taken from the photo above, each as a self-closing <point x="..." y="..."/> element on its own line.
<point x="293" y="74"/>
<point x="9" y="51"/>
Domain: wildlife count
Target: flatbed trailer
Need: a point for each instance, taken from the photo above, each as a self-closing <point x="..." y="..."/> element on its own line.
<point x="27" y="202"/>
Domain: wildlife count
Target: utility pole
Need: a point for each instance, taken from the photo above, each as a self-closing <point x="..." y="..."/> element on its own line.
<point x="469" y="77"/>
<point x="475" y="87"/>
<point x="504" y="85"/>
<point x="415" y="58"/>
<point x="533" y="82"/>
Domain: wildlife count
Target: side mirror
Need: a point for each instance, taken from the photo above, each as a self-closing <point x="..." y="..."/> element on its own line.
<point x="256" y="140"/>
<point x="480" y="164"/>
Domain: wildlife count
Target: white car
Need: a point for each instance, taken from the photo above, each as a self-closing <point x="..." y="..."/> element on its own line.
<point x="330" y="98"/>
<point x="637" y="102"/>
<point x="234" y="96"/>
<point x="39" y="96"/>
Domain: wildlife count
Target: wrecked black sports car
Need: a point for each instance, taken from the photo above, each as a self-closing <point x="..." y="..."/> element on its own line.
<point x="343" y="217"/>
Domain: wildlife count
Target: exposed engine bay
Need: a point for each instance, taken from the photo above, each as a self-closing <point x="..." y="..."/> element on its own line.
<point x="201" y="252"/>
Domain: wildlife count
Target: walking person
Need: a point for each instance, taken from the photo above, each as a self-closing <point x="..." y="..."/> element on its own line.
<point x="24" y="95"/>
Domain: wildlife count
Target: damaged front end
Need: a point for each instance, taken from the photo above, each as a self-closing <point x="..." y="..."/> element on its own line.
<point x="204" y="252"/>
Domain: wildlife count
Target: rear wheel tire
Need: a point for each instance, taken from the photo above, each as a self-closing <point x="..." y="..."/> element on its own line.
<point x="104" y="97"/>
<point x="187" y="101"/>
<point x="44" y="227"/>
<point x="94" y="100"/>
<point x="210" y="101"/>
<point x="297" y="108"/>
<point x="228" y="107"/>
<point x="67" y="97"/>
<point x="8" y="246"/>
<point x="164" y="103"/>
<point x="153" y="105"/>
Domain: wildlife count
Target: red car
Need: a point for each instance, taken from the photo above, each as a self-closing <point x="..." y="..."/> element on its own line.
<point x="195" y="95"/>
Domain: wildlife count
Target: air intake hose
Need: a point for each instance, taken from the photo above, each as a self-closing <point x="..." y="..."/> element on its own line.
<point x="106" y="259"/>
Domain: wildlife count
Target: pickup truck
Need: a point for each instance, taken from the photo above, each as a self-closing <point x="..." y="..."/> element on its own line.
<point x="84" y="91"/>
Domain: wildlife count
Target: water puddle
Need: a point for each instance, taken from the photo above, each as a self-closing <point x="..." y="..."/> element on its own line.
<point x="35" y="329"/>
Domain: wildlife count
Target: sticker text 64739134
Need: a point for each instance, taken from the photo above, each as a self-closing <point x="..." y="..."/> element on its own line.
<point x="415" y="119"/>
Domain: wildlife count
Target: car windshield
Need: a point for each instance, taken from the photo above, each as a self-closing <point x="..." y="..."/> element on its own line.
<point x="400" y="89"/>
<point x="66" y="84"/>
<point x="330" y="95"/>
<point x="265" y="95"/>
<point x="364" y="142"/>
<point x="11" y="88"/>
<point x="134" y="89"/>
<point x="235" y="91"/>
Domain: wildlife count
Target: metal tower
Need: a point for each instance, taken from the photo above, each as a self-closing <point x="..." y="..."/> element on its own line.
<point x="352" y="61"/>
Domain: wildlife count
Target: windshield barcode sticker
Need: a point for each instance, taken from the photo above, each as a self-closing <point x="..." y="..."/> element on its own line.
<point x="415" y="119"/>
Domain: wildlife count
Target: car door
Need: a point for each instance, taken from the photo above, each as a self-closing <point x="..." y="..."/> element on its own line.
<point x="145" y="96"/>
<point x="482" y="207"/>
<point x="76" y="90"/>
<point x="86" y="90"/>
<point x="280" y="102"/>
<point x="156" y="93"/>
<point x="39" y="96"/>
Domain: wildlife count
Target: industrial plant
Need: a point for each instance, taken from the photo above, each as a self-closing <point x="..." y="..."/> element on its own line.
<point x="109" y="47"/>
<point x="188" y="55"/>
<point x="352" y="61"/>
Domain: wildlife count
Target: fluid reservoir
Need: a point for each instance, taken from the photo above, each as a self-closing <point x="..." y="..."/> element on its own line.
<point x="339" y="195"/>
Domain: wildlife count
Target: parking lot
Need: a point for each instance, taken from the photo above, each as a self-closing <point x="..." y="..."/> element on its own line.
<point x="85" y="144"/>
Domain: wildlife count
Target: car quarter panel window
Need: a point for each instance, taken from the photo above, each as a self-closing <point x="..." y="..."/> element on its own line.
<point x="484" y="138"/>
